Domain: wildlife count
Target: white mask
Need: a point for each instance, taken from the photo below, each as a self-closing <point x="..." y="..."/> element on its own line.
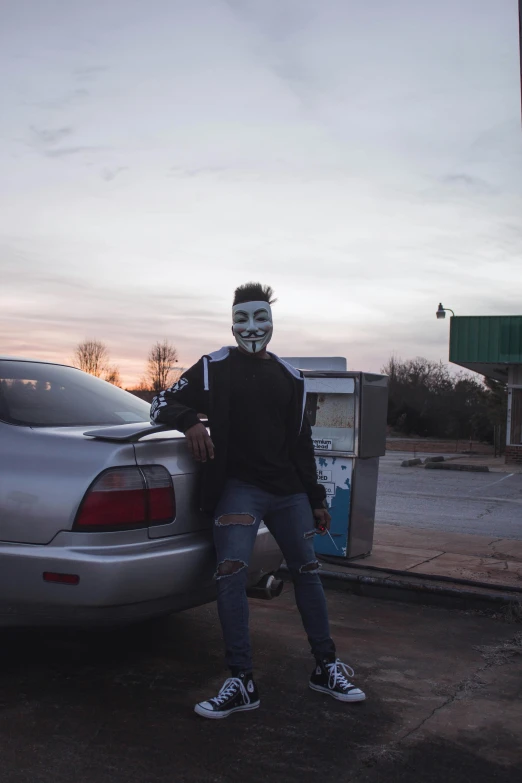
<point x="252" y="325"/>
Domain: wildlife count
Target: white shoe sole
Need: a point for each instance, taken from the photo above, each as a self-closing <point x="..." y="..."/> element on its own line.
<point x="218" y="715"/>
<point x="339" y="696"/>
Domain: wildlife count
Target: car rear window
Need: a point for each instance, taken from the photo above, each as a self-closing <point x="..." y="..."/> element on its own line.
<point x="49" y="395"/>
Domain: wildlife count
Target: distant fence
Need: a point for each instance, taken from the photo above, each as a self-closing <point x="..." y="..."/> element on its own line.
<point x="438" y="446"/>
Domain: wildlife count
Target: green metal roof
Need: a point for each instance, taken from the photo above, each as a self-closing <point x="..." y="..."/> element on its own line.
<point x="486" y="343"/>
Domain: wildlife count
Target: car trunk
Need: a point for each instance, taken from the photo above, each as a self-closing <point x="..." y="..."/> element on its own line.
<point x="51" y="468"/>
<point x="170" y="450"/>
<point x="156" y="445"/>
<point x="48" y="472"/>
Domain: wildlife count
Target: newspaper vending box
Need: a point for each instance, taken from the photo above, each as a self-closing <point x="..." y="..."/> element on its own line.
<point x="347" y="412"/>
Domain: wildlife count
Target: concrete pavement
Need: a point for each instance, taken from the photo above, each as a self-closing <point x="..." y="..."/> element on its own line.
<point x="444" y="701"/>
<point x="481" y="559"/>
<point x="487" y="504"/>
<point x="460" y="531"/>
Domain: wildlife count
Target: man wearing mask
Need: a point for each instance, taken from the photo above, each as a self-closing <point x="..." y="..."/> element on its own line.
<point x="259" y="466"/>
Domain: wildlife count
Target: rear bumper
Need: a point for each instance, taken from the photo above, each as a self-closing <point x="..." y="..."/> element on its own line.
<point x="118" y="583"/>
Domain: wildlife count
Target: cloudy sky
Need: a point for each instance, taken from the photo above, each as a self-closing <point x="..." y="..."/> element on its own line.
<point x="364" y="157"/>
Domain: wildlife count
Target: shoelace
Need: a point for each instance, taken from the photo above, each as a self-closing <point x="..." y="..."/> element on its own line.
<point x="230" y="687"/>
<point x="339" y="672"/>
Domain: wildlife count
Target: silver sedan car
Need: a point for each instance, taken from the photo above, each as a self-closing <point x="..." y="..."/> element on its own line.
<point x="99" y="519"/>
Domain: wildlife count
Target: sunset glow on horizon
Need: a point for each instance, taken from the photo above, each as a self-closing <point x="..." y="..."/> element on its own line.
<point x="362" y="159"/>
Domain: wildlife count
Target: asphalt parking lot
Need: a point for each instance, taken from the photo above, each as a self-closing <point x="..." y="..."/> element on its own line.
<point x="488" y="504"/>
<point x="444" y="701"/>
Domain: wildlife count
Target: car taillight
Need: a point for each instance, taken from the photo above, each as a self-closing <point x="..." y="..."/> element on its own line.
<point x="160" y="494"/>
<point x="127" y="498"/>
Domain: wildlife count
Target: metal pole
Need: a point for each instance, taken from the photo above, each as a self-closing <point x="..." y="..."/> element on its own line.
<point x="520" y="45"/>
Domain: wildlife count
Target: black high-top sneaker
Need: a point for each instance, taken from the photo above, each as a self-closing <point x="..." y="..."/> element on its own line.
<point x="239" y="693"/>
<point x="331" y="677"/>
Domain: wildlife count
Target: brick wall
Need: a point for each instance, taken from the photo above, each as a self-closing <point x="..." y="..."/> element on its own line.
<point x="514" y="455"/>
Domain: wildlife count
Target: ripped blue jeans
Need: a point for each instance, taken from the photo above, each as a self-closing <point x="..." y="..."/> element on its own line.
<point x="289" y="518"/>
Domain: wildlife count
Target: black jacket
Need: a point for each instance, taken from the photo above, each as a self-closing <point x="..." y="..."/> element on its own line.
<point x="205" y="388"/>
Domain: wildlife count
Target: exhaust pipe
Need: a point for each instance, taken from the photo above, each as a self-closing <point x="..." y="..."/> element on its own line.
<point x="267" y="588"/>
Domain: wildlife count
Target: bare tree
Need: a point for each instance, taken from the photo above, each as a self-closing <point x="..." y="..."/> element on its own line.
<point x="113" y="376"/>
<point x="92" y="356"/>
<point x="160" y="371"/>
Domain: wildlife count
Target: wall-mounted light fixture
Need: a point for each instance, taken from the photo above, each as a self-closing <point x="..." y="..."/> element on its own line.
<point x="441" y="312"/>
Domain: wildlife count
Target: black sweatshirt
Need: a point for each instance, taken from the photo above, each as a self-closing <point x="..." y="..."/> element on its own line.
<point x="261" y="399"/>
<point x="207" y="388"/>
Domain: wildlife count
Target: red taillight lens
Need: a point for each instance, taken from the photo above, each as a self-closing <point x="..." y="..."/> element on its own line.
<point x="126" y="498"/>
<point x="162" y="505"/>
<point x="116" y="499"/>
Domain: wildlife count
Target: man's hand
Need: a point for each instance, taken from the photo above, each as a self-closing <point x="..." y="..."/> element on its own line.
<point x="199" y="443"/>
<point x="322" y="520"/>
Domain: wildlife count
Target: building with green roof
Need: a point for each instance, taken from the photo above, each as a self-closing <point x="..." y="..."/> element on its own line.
<point x="492" y="346"/>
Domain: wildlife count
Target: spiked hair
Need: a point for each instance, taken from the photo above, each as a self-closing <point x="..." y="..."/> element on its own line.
<point x="253" y="292"/>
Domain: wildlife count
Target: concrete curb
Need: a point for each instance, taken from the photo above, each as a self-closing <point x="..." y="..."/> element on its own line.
<point x="452" y="466"/>
<point x="409" y="463"/>
<point x="412" y="590"/>
<point x="395" y="573"/>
